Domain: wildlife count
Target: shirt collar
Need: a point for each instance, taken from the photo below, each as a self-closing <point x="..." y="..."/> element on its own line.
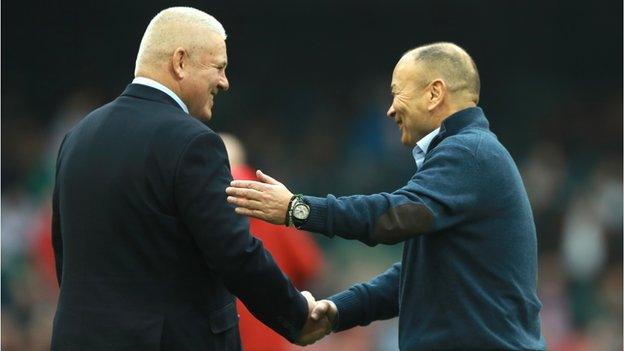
<point x="420" y="150"/>
<point x="154" y="84"/>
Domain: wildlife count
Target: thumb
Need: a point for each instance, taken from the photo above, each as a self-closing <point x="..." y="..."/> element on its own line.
<point x="266" y="178"/>
<point x="319" y="310"/>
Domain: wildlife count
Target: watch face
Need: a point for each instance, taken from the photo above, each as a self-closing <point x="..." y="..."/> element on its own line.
<point x="301" y="211"/>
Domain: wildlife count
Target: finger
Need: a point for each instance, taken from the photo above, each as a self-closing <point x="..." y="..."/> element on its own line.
<point x="250" y="213"/>
<point x="246" y="203"/>
<point x="314" y="331"/>
<point x="305" y="342"/>
<point x="244" y="192"/>
<point x="249" y="184"/>
<point x="324" y="329"/>
<point x="317" y="334"/>
<point x="311" y="337"/>
<point x="265" y="178"/>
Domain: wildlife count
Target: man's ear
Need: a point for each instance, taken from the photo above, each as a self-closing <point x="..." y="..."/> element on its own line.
<point x="179" y="63"/>
<point x="437" y="93"/>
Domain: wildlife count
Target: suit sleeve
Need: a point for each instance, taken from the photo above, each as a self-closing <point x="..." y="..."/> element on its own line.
<point x="442" y="193"/>
<point x="367" y="302"/>
<point x="246" y="268"/>
<point x="57" y="238"/>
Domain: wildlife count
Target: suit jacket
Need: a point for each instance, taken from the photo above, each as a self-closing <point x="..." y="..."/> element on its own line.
<point x="148" y="252"/>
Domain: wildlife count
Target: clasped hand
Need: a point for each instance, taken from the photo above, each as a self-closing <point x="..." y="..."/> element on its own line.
<point x="321" y="315"/>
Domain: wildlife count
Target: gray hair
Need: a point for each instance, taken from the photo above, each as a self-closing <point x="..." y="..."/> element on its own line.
<point x="174" y="27"/>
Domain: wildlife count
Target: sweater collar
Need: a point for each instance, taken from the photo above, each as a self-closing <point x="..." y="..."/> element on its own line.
<point x="471" y="117"/>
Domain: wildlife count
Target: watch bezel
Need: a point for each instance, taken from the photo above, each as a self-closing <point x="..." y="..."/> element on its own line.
<point x="298" y="205"/>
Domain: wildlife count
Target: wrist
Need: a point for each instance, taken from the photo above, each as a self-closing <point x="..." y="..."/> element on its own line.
<point x="297" y="212"/>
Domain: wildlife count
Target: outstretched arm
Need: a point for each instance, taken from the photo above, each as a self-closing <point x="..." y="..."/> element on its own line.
<point x="440" y="195"/>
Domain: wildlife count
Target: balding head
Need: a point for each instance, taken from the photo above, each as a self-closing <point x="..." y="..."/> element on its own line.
<point x="429" y="84"/>
<point x="184" y="49"/>
<point x="451" y="63"/>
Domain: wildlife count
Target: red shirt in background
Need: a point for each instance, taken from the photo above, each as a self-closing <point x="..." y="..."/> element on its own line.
<point x="298" y="257"/>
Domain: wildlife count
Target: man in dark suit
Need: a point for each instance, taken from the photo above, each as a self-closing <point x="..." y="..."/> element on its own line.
<point x="148" y="252"/>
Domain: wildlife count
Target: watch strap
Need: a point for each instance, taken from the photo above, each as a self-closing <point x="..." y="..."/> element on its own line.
<point x="288" y="219"/>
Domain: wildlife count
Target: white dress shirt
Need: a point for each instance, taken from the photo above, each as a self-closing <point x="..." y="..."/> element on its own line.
<point x="422" y="146"/>
<point x="154" y="84"/>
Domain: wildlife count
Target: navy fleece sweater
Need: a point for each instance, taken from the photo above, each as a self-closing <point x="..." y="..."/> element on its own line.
<point x="468" y="275"/>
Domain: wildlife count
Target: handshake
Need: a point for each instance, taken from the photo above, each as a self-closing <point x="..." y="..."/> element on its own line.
<point x="321" y="316"/>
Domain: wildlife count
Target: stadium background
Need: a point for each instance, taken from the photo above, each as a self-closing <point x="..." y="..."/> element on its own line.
<point x="309" y="91"/>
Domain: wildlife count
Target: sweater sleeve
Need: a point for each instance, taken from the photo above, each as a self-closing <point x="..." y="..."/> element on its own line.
<point x="367" y="302"/>
<point x="443" y="193"/>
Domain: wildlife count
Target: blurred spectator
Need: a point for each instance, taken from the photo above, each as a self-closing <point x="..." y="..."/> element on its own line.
<point x="544" y="174"/>
<point x="28" y="274"/>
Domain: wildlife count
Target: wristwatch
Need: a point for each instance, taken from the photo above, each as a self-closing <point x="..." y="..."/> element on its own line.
<point x="298" y="211"/>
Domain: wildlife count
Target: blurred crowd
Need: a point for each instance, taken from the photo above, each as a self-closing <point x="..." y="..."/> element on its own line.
<point x="570" y="158"/>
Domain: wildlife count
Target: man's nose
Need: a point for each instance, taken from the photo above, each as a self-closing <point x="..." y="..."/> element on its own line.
<point x="390" y="112"/>
<point x="224" y="83"/>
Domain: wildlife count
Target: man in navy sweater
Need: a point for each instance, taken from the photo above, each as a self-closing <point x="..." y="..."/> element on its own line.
<point x="468" y="275"/>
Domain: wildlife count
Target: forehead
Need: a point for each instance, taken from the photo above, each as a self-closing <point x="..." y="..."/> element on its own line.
<point x="405" y="70"/>
<point x="215" y="49"/>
